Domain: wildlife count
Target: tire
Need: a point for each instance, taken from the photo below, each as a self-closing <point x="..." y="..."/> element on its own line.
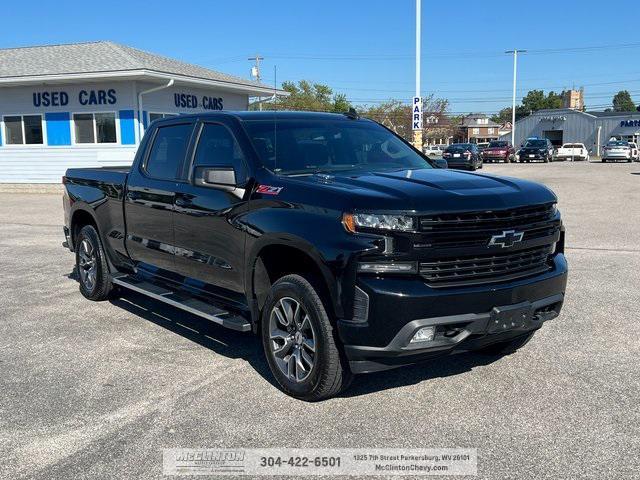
<point x="473" y="167"/>
<point x="509" y="347"/>
<point x="92" y="266"/>
<point x="546" y="159"/>
<point x="604" y="160"/>
<point x="309" y="340"/>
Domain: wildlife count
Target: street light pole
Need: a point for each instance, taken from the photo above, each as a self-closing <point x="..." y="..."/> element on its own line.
<point x="513" y="103"/>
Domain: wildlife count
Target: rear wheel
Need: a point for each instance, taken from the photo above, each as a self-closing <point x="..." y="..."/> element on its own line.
<point x="91" y="264"/>
<point x="506" y="348"/>
<point x="299" y="341"/>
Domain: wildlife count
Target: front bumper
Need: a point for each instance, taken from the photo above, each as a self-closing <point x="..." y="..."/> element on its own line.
<point x="532" y="156"/>
<point x="462" y="316"/>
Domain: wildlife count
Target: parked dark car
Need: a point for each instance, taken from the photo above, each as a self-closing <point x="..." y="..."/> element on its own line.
<point x="463" y="155"/>
<point x="344" y="248"/>
<point x="499" y="151"/>
<point x="538" y="149"/>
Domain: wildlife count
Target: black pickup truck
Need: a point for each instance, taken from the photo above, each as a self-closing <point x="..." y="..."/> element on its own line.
<point x="347" y="250"/>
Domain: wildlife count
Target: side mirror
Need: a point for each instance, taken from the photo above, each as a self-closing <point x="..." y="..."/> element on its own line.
<point x="223" y="178"/>
<point x="441" y="163"/>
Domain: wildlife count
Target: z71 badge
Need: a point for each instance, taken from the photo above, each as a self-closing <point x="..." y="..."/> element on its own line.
<point x="269" y="190"/>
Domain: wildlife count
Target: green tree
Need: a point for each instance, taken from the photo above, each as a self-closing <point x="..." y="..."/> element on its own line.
<point x="504" y="115"/>
<point x="622" y="102"/>
<point x="306" y="95"/>
<point x="396" y="114"/>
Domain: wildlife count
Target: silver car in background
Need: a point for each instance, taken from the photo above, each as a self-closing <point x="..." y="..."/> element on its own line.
<point x="617" y="150"/>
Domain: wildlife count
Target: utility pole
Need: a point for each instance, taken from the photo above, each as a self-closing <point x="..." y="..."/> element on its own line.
<point x="255" y="72"/>
<point x="513" y="103"/>
<point x="416" y="107"/>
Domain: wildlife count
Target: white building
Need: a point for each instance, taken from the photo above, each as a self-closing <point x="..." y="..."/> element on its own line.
<point x="87" y="104"/>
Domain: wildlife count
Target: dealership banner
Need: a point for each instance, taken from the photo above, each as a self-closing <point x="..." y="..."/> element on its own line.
<point x="309" y="461"/>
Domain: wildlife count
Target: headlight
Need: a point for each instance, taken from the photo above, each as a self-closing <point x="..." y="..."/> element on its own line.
<point x="355" y="221"/>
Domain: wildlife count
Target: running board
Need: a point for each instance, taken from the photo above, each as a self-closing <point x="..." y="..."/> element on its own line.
<point x="188" y="304"/>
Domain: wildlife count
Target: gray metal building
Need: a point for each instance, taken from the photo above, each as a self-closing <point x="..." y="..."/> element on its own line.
<point x="593" y="129"/>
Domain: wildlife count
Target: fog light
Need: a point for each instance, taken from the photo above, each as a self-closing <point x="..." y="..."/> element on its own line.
<point x="388" y="267"/>
<point x="425" y="334"/>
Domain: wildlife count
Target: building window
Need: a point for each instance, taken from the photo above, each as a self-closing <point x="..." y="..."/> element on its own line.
<point x="491" y="130"/>
<point x="475" y="131"/>
<point x="95" y="127"/>
<point x="482" y="121"/>
<point x="153" y="116"/>
<point x="23" y="129"/>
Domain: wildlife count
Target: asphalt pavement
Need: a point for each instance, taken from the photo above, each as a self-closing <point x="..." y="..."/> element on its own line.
<point x="97" y="390"/>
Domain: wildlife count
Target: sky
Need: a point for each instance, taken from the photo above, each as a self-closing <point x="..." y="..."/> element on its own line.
<point x="366" y="48"/>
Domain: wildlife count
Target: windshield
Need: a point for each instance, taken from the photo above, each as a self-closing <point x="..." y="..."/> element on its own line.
<point x="498" y="145"/>
<point x="323" y="146"/>
<point x="536" y="143"/>
<point x="619" y="143"/>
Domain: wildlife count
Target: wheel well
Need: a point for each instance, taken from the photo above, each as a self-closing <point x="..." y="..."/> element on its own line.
<point x="276" y="261"/>
<point x="80" y="219"/>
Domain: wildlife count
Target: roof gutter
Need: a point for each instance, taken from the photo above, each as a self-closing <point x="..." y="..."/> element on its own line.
<point x="140" y="110"/>
<point x="140" y="74"/>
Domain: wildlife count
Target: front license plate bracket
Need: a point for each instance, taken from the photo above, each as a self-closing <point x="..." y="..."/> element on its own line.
<point x="510" y="317"/>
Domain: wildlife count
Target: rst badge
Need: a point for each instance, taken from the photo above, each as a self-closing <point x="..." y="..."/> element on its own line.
<point x="268" y="190"/>
<point x="506" y="239"/>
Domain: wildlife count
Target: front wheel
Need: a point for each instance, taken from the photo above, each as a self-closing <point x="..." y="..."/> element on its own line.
<point x="91" y="264"/>
<point x="299" y="341"/>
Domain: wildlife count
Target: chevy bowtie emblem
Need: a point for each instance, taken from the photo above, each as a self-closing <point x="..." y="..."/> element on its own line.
<point x="506" y="239"/>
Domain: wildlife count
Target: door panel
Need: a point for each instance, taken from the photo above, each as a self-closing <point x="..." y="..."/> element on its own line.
<point x="150" y="197"/>
<point x="149" y="212"/>
<point x="208" y="237"/>
<point x="209" y="241"/>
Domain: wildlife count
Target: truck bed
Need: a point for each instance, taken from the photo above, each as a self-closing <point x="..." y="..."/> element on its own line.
<point x="107" y="175"/>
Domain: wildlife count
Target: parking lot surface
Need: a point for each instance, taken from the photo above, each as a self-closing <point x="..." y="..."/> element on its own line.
<point x="95" y="390"/>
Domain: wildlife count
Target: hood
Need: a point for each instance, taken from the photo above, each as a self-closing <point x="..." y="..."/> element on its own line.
<point x="424" y="191"/>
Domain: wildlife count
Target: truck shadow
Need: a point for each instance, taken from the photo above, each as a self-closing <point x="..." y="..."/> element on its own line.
<point x="248" y="347"/>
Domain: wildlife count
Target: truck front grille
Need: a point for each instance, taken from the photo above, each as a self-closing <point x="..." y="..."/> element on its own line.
<point x="480" y="269"/>
<point x="472" y="229"/>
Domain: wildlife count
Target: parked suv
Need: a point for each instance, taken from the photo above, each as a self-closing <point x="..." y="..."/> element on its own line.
<point x="538" y="149"/>
<point x="335" y="241"/>
<point x="463" y="155"/>
<point x="499" y="150"/>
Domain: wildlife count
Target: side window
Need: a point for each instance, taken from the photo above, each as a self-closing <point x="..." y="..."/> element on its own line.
<point x="218" y="147"/>
<point x="168" y="151"/>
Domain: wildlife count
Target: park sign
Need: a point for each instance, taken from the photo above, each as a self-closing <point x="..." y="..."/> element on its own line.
<point x="417" y="113"/>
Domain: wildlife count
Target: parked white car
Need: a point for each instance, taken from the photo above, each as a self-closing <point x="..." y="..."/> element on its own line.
<point x="572" y="151"/>
<point x="434" y="150"/>
<point x="617" y="150"/>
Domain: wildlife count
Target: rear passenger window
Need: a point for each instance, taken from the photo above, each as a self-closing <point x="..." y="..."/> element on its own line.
<point x="168" y="151"/>
<point x="218" y="147"/>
